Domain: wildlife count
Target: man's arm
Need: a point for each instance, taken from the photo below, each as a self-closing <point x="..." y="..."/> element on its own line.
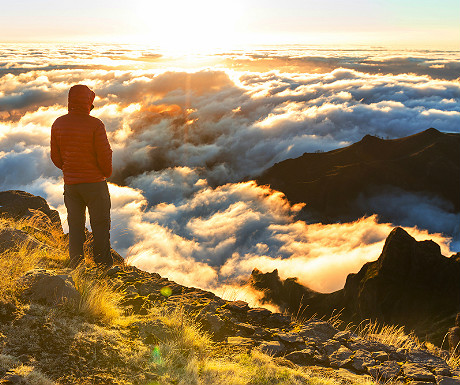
<point x="103" y="151"/>
<point x="55" y="150"/>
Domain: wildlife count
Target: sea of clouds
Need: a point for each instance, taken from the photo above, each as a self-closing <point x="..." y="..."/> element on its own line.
<point x="189" y="134"/>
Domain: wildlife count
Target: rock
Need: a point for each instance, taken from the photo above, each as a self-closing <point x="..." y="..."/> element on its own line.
<point x="302" y="357"/>
<point x="290" y="337"/>
<point x="214" y="323"/>
<point x="130" y="290"/>
<point x="238" y="305"/>
<point x="362" y="360"/>
<point x="370" y="346"/>
<point x="442" y="371"/>
<point x="240" y="341"/>
<point x="417" y="372"/>
<point x="22" y="205"/>
<point x="262" y="334"/>
<point x="341" y="357"/>
<point x="386" y="371"/>
<point x="258" y="312"/>
<point x="427" y="359"/>
<point x="137" y="303"/>
<point x="272" y="348"/>
<point x="113" y="271"/>
<point x="245" y="327"/>
<point x="343" y="337"/>
<point x="419" y="383"/>
<point x="380" y="356"/>
<point x="443" y="380"/>
<point x="279" y="319"/>
<point x="330" y="346"/>
<point x="151" y="331"/>
<point x="281" y="361"/>
<point x="319" y="331"/>
<point x="13" y="239"/>
<point x="48" y="288"/>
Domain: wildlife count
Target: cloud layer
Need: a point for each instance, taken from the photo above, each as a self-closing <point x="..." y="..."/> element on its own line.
<point x="187" y="142"/>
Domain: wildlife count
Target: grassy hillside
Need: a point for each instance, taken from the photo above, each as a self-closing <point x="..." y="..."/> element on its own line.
<point x="97" y="339"/>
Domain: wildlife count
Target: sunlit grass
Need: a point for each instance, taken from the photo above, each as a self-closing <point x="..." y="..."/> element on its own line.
<point x="49" y="252"/>
<point x="392" y="335"/>
<point x="13" y="265"/>
<point x="28" y="373"/>
<point x="99" y="300"/>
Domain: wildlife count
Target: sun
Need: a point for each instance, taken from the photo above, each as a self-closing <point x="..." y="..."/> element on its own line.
<point x="187" y="26"/>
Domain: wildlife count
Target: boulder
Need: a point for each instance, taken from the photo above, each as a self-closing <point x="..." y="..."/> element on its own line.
<point x="370" y="346"/>
<point x="238" y="305"/>
<point x="340" y="358"/>
<point x="362" y="360"/>
<point x="417" y="372"/>
<point x="13" y="239"/>
<point x="302" y="357"/>
<point x="319" y="331"/>
<point x="330" y="346"/>
<point x="18" y="204"/>
<point x="272" y="348"/>
<point x="258" y="312"/>
<point x="290" y="337"/>
<point x="425" y="358"/>
<point x="50" y="288"/>
<point x="386" y="371"/>
<point x="442" y="380"/>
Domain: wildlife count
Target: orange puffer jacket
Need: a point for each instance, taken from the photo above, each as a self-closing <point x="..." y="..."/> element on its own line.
<point x="79" y="144"/>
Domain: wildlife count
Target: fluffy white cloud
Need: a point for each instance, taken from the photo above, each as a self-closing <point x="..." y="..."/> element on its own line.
<point x="184" y="139"/>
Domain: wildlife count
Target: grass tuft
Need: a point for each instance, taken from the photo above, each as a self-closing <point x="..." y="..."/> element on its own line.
<point x="99" y="299"/>
<point x="13" y="265"/>
<point x="388" y="334"/>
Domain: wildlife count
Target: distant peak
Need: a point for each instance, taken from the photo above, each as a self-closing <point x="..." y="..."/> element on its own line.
<point x="432" y="130"/>
<point x="370" y="139"/>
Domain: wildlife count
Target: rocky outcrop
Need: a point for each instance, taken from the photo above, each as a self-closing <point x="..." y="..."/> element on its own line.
<point x="409" y="281"/>
<point x="49" y="287"/>
<point x="291" y="341"/>
<point x="411" y="284"/>
<point x="13" y="239"/>
<point x="18" y="204"/>
<point x="313" y="342"/>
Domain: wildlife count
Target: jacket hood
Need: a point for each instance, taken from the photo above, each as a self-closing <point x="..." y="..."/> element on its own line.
<point x="80" y="99"/>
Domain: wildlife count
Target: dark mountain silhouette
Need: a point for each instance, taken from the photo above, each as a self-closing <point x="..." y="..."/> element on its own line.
<point x="410" y="284"/>
<point x="332" y="183"/>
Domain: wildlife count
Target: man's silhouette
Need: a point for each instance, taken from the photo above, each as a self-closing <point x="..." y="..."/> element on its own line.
<point x="80" y="148"/>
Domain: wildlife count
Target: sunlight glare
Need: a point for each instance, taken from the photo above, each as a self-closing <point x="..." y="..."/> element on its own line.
<point x="184" y="26"/>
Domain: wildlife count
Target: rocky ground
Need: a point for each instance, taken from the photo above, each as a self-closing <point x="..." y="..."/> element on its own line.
<point x="44" y="330"/>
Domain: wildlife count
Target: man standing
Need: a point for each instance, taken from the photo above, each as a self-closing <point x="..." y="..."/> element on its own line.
<point x="80" y="148"/>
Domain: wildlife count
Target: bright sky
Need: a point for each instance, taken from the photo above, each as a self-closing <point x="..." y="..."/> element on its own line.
<point x="211" y="23"/>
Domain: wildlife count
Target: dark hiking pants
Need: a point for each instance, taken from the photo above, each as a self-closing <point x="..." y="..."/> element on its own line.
<point x="95" y="196"/>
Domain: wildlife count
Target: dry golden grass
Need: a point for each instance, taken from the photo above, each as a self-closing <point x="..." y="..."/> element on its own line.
<point x="99" y="299"/>
<point x="47" y="252"/>
<point x="187" y="356"/>
<point x="13" y="265"/>
<point x="388" y="334"/>
<point x="28" y="373"/>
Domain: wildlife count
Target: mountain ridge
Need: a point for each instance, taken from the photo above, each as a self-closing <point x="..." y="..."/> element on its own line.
<point x="411" y="284"/>
<point x="334" y="183"/>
